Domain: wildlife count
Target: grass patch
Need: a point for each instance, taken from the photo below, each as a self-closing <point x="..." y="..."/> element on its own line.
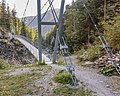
<point x="66" y="91"/>
<point x="3" y="64"/>
<point x="18" y="85"/>
<point x="63" y="77"/>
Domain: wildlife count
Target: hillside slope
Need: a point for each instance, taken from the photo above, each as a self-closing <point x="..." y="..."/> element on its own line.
<point x="13" y="51"/>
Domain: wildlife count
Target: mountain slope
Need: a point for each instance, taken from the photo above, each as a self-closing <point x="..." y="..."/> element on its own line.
<point x="48" y="18"/>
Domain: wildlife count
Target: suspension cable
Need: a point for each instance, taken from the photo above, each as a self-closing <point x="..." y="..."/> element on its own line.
<point x="53" y="9"/>
<point x="47" y="10"/>
<point x="25" y="10"/>
<point x="53" y="13"/>
<point x="36" y="16"/>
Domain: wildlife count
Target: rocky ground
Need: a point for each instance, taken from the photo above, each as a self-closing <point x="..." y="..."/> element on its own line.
<point x="103" y="61"/>
<point x="13" y="51"/>
<point x="106" y="60"/>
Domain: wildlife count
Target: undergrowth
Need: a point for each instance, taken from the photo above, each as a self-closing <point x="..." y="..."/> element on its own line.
<point x="108" y="70"/>
<point x="63" y="77"/>
<point x="90" y="54"/>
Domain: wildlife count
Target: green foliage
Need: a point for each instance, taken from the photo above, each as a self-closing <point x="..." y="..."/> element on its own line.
<point x="23" y="30"/>
<point x="63" y="77"/>
<point x="91" y="54"/>
<point x="108" y="71"/>
<point x="3" y="64"/>
<point x="112" y="24"/>
<point x="112" y="33"/>
<point x="78" y="27"/>
<point x="50" y="37"/>
<point x="14" y="20"/>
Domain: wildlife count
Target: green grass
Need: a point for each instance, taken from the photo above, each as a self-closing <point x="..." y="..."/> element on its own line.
<point x="18" y="85"/>
<point x="3" y="64"/>
<point x="66" y="91"/>
<point x="63" y="77"/>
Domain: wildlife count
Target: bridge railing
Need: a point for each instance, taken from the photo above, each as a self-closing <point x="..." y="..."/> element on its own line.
<point x="46" y="51"/>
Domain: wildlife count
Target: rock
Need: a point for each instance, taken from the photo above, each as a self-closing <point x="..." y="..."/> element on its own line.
<point x="115" y="92"/>
<point x="89" y="63"/>
<point x="117" y="59"/>
<point x="106" y="60"/>
<point x="101" y="81"/>
<point x="109" y="62"/>
<point x="107" y="86"/>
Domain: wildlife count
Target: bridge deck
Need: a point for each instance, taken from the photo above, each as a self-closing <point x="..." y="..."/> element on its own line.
<point x="32" y="49"/>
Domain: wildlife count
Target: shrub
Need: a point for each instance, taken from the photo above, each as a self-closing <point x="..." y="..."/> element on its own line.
<point x="91" y="54"/>
<point x="63" y="77"/>
<point x="108" y="71"/>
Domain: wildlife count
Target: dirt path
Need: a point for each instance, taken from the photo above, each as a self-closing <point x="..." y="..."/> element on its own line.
<point x="98" y="83"/>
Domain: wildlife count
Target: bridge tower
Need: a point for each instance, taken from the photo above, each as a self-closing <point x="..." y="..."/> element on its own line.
<point x="57" y="22"/>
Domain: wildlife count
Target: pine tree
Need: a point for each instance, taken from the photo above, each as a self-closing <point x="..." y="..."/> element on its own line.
<point x="8" y="19"/>
<point x="23" y="29"/>
<point x="3" y="14"/>
<point x="14" y="20"/>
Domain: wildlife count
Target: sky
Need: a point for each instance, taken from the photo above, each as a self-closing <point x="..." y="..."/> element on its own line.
<point x="32" y="7"/>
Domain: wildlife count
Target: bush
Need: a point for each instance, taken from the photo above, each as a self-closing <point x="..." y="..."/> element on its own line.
<point x="108" y="71"/>
<point x="63" y="77"/>
<point x="91" y="54"/>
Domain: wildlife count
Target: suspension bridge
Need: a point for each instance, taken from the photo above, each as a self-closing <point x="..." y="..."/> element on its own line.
<point x="59" y="39"/>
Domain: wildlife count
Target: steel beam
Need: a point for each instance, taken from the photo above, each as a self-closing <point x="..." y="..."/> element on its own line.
<point x="49" y="23"/>
<point x="39" y="30"/>
<point x="58" y="31"/>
